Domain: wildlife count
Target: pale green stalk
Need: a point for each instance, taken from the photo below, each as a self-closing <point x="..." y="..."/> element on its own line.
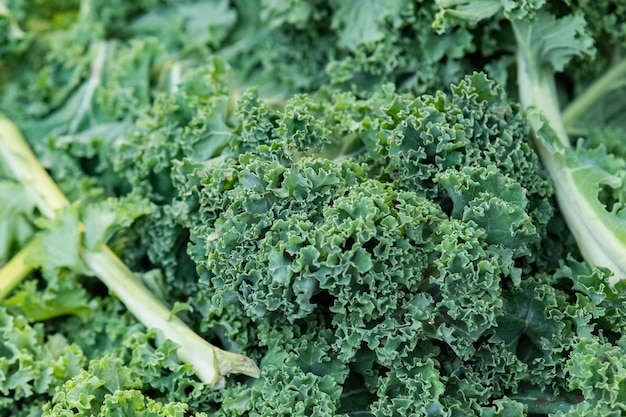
<point x="18" y="159"/>
<point x="210" y="363"/>
<point x="593" y="229"/>
<point x="613" y="78"/>
<point x="14" y="271"/>
<point x="14" y="29"/>
<point x="92" y="84"/>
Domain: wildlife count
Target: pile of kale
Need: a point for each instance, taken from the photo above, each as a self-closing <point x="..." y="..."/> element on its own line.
<point x="370" y="200"/>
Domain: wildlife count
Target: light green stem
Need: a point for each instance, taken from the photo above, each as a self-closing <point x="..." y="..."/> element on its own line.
<point x="536" y="87"/>
<point x="597" y="241"/>
<point x="16" y="270"/>
<point x="95" y="78"/>
<point x="210" y="363"/>
<point x="20" y="161"/>
<point x="592" y="93"/>
<point x="14" y="29"/>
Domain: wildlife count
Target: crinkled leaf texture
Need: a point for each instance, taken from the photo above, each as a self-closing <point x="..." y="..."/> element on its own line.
<point x="33" y="363"/>
<point x="132" y="379"/>
<point x="386" y="271"/>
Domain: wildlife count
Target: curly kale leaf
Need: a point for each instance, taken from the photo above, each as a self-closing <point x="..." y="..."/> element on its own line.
<point x="289" y="230"/>
<point x="132" y="377"/>
<point x="32" y="362"/>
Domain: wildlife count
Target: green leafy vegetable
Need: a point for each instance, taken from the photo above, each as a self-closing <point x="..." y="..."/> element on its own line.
<point x="392" y="207"/>
<point x="59" y="246"/>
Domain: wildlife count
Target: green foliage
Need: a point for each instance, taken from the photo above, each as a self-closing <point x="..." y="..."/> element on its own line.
<point x="110" y="387"/>
<point x="16" y="216"/>
<point x="294" y="239"/>
<point x="348" y="193"/>
<point x="32" y="363"/>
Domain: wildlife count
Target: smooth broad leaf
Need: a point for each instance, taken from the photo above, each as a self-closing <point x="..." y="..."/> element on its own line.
<point x="355" y="398"/>
<point x="527" y="327"/>
<point x="202" y="22"/>
<point x="17" y="212"/>
<point x="470" y="11"/>
<point x="102" y="220"/>
<point x="63" y="295"/>
<point x="551" y="41"/>
<point x="61" y="239"/>
<point x="59" y="242"/>
<point x="364" y="22"/>
<point x="604" y="121"/>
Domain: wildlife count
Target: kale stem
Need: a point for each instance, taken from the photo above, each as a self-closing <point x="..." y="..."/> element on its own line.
<point x="175" y="77"/>
<point x="20" y="161"/>
<point x="210" y="363"/>
<point x="537" y="88"/>
<point x="14" y="271"/>
<point x="597" y="240"/>
<point x="592" y="93"/>
<point x="15" y="31"/>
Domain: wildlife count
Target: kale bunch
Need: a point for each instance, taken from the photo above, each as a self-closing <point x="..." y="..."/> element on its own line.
<point x="379" y="203"/>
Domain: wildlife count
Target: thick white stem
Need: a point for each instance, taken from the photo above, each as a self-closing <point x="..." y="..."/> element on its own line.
<point x="598" y="243"/>
<point x="175" y="77"/>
